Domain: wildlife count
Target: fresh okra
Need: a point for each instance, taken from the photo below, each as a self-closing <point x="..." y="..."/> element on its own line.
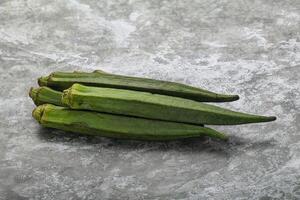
<point x="153" y="106"/>
<point x="116" y="126"/>
<point x="64" y="80"/>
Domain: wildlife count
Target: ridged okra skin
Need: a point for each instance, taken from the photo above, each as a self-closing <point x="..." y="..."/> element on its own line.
<point x="44" y="95"/>
<point x="153" y="106"/>
<point x="116" y="126"/>
<point x="64" y="80"/>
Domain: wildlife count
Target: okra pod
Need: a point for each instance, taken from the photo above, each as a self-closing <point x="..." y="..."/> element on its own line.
<point x="64" y="80"/>
<point x="116" y="126"/>
<point x="154" y="106"/>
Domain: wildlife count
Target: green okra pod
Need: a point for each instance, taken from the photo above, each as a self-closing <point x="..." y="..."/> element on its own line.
<point x="116" y="126"/>
<point x="64" y="80"/>
<point x="154" y="106"/>
<point x="44" y="95"/>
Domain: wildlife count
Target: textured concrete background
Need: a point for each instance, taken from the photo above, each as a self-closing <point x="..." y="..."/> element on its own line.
<point x="250" y="48"/>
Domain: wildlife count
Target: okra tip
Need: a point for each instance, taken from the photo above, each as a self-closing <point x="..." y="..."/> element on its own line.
<point x="227" y="98"/>
<point x="271" y="118"/>
<point x="42" y="81"/>
<point x="258" y="118"/>
<point x="235" y="97"/>
<point x="99" y="71"/>
<point x="223" y="137"/>
<point x="216" y="134"/>
<point x="37" y="113"/>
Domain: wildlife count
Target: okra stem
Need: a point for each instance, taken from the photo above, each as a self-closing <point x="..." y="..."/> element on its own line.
<point x="44" y="95"/>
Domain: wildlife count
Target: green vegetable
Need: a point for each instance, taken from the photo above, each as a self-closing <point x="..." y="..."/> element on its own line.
<point x="153" y="106"/>
<point x="44" y="95"/>
<point x="116" y="126"/>
<point x="64" y="80"/>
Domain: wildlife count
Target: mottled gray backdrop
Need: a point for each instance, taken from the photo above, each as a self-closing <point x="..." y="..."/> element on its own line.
<point x="250" y="48"/>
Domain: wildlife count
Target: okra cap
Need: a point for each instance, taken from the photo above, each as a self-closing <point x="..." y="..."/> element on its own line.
<point x="66" y="97"/>
<point x="42" y="81"/>
<point x="33" y="93"/>
<point x="38" y="112"/>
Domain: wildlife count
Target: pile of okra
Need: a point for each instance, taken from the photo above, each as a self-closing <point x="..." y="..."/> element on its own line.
<point x="117" y="106"/>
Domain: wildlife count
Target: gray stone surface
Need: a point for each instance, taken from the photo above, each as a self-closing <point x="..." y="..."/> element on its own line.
<point x="250" y="48"/>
